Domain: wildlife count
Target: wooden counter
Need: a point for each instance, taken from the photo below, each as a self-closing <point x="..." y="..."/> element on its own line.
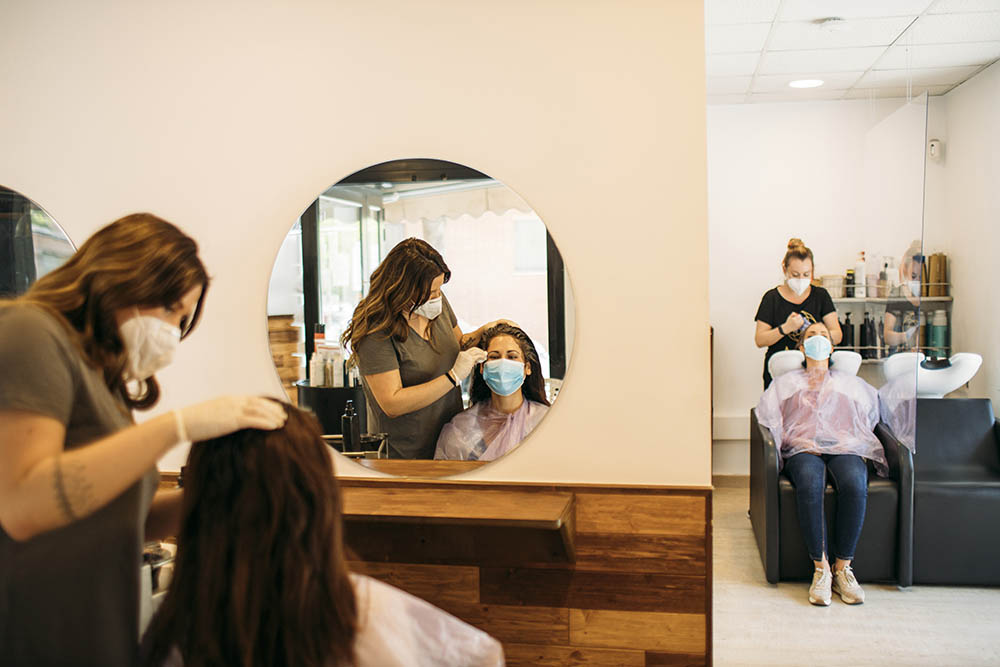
<point x="489" y="526"/>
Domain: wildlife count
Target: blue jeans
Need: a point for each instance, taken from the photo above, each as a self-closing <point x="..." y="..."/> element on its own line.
<point x="849" y="474"/>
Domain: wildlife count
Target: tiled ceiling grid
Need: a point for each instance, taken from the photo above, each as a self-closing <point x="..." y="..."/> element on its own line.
<point x="879" y="48"/>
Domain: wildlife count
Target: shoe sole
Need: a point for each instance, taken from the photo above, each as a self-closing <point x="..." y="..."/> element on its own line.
<point x="819" y="603"/>
<point x="845" y="600"/>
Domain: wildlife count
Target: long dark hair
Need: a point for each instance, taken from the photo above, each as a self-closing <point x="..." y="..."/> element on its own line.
<point x="533" y="388"/>
<point x="139" y="260"/>
<point x="260" y="576"/>
<point x="401" y="283"/>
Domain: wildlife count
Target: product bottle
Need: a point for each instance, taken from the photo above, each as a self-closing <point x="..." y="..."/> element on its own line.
<point x="849" y="283"/>
<point x="883" y="280"/>
<point x="873" y="338"/>
<point x="922" y="332"/>
<point x="880" y="338"/>
<point x="939" y="334"/>
<point x="863" y="337"/>
<point x="350" y="428"/>
<point x="859" y="276"/>
<point x="848" y="329"/>
<point x="316" y="369"/>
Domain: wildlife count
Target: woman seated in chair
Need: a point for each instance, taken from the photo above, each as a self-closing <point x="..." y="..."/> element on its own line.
<point x="824" y="420"/>
<point x="260" y="576"/>
<point x="508" y="400"/>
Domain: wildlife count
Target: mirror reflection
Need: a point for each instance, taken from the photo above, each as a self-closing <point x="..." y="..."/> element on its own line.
<point x="422" y="311"/>
<point x="31" y="243"/>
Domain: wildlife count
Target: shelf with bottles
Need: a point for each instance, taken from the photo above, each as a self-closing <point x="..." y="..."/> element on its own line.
<point x="927" y="350"/>
<point x="924" y="300"/>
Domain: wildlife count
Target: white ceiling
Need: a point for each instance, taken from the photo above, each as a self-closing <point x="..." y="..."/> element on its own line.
<point x="882" y="48"/>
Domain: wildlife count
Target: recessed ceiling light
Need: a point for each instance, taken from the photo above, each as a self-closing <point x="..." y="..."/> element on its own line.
<point x="806" y="83"/>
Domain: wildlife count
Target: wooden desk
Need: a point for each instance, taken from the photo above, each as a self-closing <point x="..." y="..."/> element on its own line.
<point x="460" y="526"/>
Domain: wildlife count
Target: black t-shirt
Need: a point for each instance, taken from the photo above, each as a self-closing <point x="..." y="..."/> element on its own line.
<point x="774" y="309"/>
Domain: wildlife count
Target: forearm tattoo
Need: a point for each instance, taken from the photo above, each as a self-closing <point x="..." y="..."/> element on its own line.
<point x="73" y="491"/>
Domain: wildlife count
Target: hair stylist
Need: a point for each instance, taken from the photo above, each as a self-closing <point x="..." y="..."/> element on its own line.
<point x="786" y="310"/>
<point x="77" y="476"/>
<point x="410" y="350"/>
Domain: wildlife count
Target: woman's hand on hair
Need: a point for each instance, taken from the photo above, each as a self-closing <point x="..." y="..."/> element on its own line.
<point x="466" y="361"/>
<point x="228" y="414"/>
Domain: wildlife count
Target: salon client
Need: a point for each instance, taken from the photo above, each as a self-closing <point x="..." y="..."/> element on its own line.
<point x="410" y="350"/>
<point x="786" y="310"/>
<point x="77" y="476"/>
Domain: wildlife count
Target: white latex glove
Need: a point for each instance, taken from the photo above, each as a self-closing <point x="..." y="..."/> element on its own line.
<point x="228" y="414"/>
<point x="466" y="361"/>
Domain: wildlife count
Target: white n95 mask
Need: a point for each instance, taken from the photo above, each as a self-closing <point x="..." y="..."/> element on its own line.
<point x="150" y="344"/>
<point x="430" y="309"/>
<point x="798" y="285"/>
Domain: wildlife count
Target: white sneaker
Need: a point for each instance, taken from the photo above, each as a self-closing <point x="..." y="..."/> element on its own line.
<point x="819" y="591"/>
<point x="848" y="587"/>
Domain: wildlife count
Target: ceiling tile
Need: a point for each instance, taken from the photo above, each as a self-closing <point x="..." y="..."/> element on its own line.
<point x="727" y="85"/>
<point x="725" y="99"/>
<point x="795" y="96"/>
<point x="808" y="10"/>
<point x="939" y="55"/>
<point x="731" y="64"/>
<point x="957" y="6"/>
<point x="954" y="28"/>
<point x="820" y="60"/>
<point x="740" y="11"/>
<point x="736" y="38"/>
<point x="935" y="76"/>
<point x="804" y="35"/>
<point x="884" y="93"/>
<point x="831" y="81"/>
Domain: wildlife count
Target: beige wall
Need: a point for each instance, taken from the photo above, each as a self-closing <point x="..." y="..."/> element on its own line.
<point x="229" y="118"/>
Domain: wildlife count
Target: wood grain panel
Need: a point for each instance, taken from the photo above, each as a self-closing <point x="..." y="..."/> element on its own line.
<point x="578" y="589"/>
<point x="651" y="631"/>
<point x="528" y="625"/>
<point x="665" y="554"/>
<point x="493" y="507"/>
<point x="438" y="584"/>
<point x="533" y="655"/>
<point x="640" y="514"/>
<point x="421" y="468"/>
<point x="657" y="659"/>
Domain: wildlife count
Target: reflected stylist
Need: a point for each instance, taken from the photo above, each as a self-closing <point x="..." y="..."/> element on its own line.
<point x="78" y="479"/>
<point x="787" y="310"/>
<point x="410" y="350"/>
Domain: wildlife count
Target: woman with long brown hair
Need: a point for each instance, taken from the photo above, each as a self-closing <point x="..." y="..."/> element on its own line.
<point x="508" y="399"/>
<point x="411" y="352"/>
<point x="78" y="354"/>
<point x="787" y="310"/>
<point x="260" y="577"/>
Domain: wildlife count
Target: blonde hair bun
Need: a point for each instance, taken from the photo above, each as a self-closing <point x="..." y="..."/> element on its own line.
<point x="795" y="244"/>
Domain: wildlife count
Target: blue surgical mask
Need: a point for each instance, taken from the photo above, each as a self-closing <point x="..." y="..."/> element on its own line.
<point x="818" y="348"/>
<point x="503" y="376"/>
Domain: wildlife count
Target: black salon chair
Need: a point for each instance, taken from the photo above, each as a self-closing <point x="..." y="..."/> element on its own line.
<point x="884" y="550"/>
<point x="956" y="539"/>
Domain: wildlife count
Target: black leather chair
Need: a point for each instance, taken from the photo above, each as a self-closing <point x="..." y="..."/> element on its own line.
<point x="884" y="550"/>
<point x="956" y="528"/>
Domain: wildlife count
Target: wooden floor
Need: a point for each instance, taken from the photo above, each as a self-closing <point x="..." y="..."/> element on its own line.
<point x="756" y="623"/>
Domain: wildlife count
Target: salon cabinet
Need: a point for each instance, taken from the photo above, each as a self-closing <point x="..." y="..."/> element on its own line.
<point x="630" y="585"/>
<point x="327" y="403"/>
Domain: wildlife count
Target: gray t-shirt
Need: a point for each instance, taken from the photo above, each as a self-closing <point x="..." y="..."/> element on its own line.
<point x="413" y="435"/>
<point x="71" y="595"/>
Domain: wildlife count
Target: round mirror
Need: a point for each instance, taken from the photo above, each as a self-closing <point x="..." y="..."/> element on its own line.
<point x="422" y="311"/>
<point x="31" y="243"/>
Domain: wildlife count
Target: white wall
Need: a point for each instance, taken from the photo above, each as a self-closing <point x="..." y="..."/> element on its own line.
<point x="777" y="171"/>
<point x="966" y="218"/>
<point x="229" y="118"/>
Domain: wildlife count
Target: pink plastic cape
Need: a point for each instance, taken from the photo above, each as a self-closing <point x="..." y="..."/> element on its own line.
<point x="396" y="629"/>
<point x="482" y="433"/>
<point x="823" y="413"/>
<point x="898" y="407"/>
